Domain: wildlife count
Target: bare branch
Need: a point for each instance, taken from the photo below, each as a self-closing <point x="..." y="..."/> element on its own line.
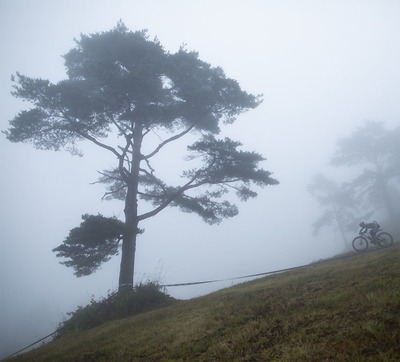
<point x="155" y="179"/>
<point x="162" y="144"/>
<point x="107" y="178"/>
<point x="120" y="129"/>
<point x="189" y="185"/>
<point x="109" y="193"/>
<point x="98" y="143"/>
<point x="122" y="170"/>
<point x="149" y="166"/>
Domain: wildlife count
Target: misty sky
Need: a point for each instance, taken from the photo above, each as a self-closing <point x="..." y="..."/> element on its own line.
<point x="323" y="67"/>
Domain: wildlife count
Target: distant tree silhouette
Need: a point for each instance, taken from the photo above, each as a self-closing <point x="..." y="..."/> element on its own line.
<point x="340" y="208"/>
<point x="376" y="151"/>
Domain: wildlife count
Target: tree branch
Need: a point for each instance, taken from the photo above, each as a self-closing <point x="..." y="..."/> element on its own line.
<point x="98" y="143"/>
<point x="120" y="129"/>
<point x="155" y="179"/>
<point x="109" y="193"/>
<point x="107" y="178"/>
<point x="149" y="166"/>
<point x="162" y="144"/>
<point x="123" y="172"/>
<point x="189" y="185"/>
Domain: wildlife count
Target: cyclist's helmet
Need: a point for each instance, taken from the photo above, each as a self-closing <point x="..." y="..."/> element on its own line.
<point x="362" y="224"/>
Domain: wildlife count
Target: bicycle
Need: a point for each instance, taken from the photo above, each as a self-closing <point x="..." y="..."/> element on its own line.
<point x="361" y="242"/>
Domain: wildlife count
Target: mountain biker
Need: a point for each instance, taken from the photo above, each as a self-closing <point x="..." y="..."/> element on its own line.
<point x="374" y="226"/>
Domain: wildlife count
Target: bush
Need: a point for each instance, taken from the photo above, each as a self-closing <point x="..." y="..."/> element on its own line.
<point x="142" y="298"/>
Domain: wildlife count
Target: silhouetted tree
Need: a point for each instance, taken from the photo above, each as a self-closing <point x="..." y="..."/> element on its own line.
<point x="341" y="210"/>
<point x="121" y="83"/>
<point x="376" y="151"/>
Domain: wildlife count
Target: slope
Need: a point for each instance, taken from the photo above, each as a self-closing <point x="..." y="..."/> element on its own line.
<point x="344" y="310"/>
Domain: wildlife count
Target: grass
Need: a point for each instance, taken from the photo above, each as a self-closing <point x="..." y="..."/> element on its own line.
<point x="347" y="310"/>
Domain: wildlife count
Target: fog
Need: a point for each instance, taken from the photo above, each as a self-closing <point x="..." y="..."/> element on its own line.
<point x="323" y="67"/>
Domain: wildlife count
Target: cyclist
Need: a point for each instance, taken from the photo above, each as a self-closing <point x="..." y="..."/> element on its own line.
<point x="374" y="226"/>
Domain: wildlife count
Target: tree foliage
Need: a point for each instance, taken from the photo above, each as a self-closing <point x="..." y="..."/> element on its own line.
<point x="376" y="152"/>
<point x="373" y="153"/>
<point x="122" y="88"/>
<point x="340" y="208"/>
<point x="91" y="244"/>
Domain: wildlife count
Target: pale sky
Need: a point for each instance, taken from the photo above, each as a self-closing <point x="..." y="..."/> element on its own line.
<point x="323" y="67"/>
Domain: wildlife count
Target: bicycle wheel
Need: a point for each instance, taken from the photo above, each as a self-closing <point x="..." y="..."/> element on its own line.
<point x="384" y="240"/>
<point x="360" y="243"/>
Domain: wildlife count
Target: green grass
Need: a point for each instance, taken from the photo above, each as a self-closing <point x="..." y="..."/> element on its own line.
<point x="346" y="310"/>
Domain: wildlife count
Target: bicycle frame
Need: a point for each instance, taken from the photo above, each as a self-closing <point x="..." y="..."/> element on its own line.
<point x="364" y="232"/>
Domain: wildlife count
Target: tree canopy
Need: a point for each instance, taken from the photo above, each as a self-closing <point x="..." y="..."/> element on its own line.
<point x="91" y="244"/>
<point x="121" y="88"/>
<point x="376" y="151"/>
<point x="373" y="153"/>
<point x="341" y="210"/>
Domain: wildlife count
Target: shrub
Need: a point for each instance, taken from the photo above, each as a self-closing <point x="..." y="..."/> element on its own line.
<point x="142" y="298"/>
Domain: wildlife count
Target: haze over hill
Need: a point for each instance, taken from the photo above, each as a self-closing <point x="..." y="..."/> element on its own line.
<point x="347" y="309"/>
<point x="323" y="69"/>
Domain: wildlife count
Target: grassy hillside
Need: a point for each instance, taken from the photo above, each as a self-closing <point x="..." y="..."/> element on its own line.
<point x="344" y="310"/>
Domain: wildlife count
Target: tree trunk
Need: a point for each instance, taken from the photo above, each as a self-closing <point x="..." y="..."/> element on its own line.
<point x="127" y="263"/>
<point x="340" y="226"/>
<point x="131" y="214"/>
<point x="129" y="241"/>
<point x="389" y="206"/>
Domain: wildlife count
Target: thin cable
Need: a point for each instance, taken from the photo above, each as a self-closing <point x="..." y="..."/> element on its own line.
<point x="224" y="280"/>
<point x="32" y="344"/>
